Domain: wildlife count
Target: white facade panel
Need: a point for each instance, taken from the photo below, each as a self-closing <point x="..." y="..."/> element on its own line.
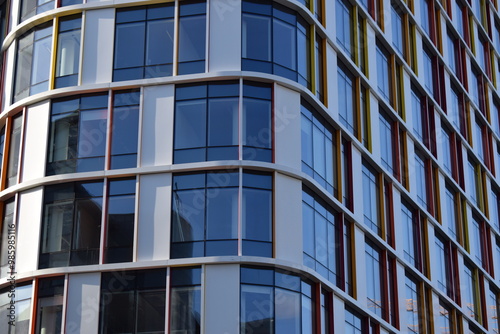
<point x="82" y="306"/>
<point x="28" y="229"/>
<point x="224" y="36"/>
<point x="288" y="218"/>
<point x="35" y="141"/>
<point x="153" y="239"/>
<point x="287" y="127"/>
<point x="222" y="294"/>
<point x="98" y="46"/>
<point x="157" y="126"/>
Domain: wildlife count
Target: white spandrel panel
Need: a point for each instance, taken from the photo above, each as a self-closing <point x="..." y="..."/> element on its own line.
<point x="153" y="239"/>
<point x="98" y="44"/>
<point x="28" y="229"/>
<point x="224" y="50"/>
<point x="157" y="126"/>
<point x="82" y="306"/>
<point x="35" y="141"/>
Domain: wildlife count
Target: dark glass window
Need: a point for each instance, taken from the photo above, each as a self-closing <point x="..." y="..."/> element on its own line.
<point x="120" y="221"/>
<point x="275" y="40"/>
<point x="347" y="111"/>
<point x="344" y="26"/>
<point x="292" y="297"/>
<point x="68" y="51"/>
<point x="371" y="199"/>
<point x="78" y="130"/>
<point x="124" y="137"/>
<point x="413" y="312"/>
<point x="14" y="150"/>
<point x="185" y="300"/>
<point x="383" y="73"/>
<point x="207" y="122"/>
<point x="192" y="39"/>
<point x="353" y="322"/>
<point x="133" y="301"/>
<point x="374" y="285"/>
<point x="49" y="305"/>
<point x="144" y="40"/>
<point x="34" y="52"/>
<point x="30" y="8"/>
<point x="22" y="314"/>
<point x="64" y="3"/>
<point x="318" y="157"/>
<point x="205" y="214"/>
<point x="7" y="234"/>
<point x="386" y="147"/>
<point x="71" y="226"/>
<point x="322" y="242"/>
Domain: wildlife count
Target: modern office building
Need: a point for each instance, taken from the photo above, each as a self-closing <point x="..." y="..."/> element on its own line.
<point x="250" y="167"/>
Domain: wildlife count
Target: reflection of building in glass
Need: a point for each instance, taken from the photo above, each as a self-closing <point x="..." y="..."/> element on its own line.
<point x="254" y="166"/>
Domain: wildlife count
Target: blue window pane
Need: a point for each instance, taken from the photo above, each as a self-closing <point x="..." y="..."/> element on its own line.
<point x="254" y="180"/>
<point x="190" y="124"/>
<point x="159" y="42"/>
<point x="191" y="39"/>
<point x="288" y="318"/>
<point x="219" y="248"/>
<point x="257" y="123"/>
<point x="189" y="181"/>
<point x="130" y="15"/>
<point x="256" y="37"/>
<point x="257" y="223"/>
<point x="252" y="298"/>
<point x="257" y="276"/>
<point x="125" y="128"/>
<point x="127" y="35"/>
<point x="223" y="122"/>
<point x="222" y="213"/>
<point x="188" y="216"/>
<point x="284" y="45"/>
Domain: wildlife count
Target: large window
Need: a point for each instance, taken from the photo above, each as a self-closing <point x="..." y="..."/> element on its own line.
<point x="78" y="133"/>
<point x="7" y="266"/>
<point x="450" y="208"/>
<point x="49" y="305"/>
<point x="68" y="51"/>
<point x="150" y="30"/>
<point x="71" y="226"/>
<point x="34" y="51"/>
<point x="470" y="292"/>
<point x="207" y="210"/>
<point x="322" y="238"/>
<point x="397" y="29"/>
<point x="21" y="295"/>
<point x="446" y="150"/>
<point x="371" y="199"/>
<point x="30" y="8"/>
<point x="14" y="150"/>
<point x="185" y="300"/>
<point x="383" y="73"/>
<point x="293" y="299"/>
<point x="413" y="313"/>
<point x="347" y="111"/>
<point x="374" y="285"/>
<point x="428" y="71"/>
<point x="344" y="20"/>
<point x="420" y="181"/>
<point x="416" y="108"/>
<point x="78" y="130"/>
<point x="133" y="302"/>
<point x="353" y="322"/>
<point x="409" y="234"/>
<point x="386" y="147"/>
<point x="318" y="149"/>
<point x="120" y="221"/>
<point x="277" y="40"/>
<point x="208" y="119"/>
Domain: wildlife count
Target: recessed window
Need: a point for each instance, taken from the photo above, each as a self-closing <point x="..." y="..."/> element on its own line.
<point x="207" y="122"/>
<point x="446" y="150"/>
<point x="470" y="292"/>
<point x="428" y="72"/>
<point x="410" y="230"/>
<point x="416" y="108"/>
<point x="318" y="149"/>
<point x="371" y="199"/>
<point x="34" y="52"/>
<point x="22" y="304"/>
<point x="383" y="73"/>
<point x="347" y="111"/>
<point x="413" y="313"/>
<point x="68" y="51"/>
<point x="344" y="25"/>
<point x="374" y="286"/>
<point x="420" y="179"/>
<point x="386" y="146"/>
<point x="322" y="242"/>
<point x="397" y="30"/>
<point x="209" y="210"/>
<point x="424" y="16"/>
<point x="14" y="150"/>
